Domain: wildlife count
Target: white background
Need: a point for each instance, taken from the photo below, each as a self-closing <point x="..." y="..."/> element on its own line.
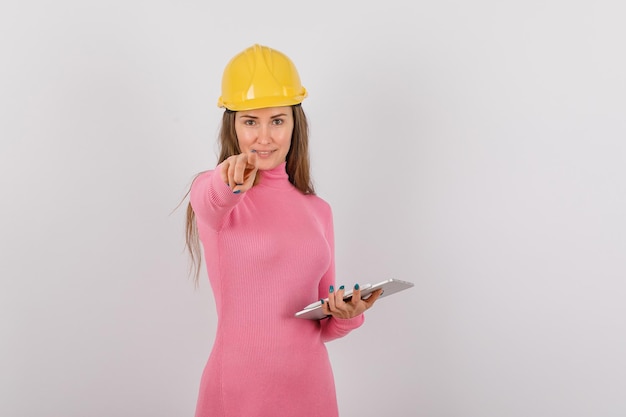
<point x="476" y="149"/>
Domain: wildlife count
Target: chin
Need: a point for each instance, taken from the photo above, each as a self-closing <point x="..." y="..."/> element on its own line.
<point x="266" y="166"/>
<point x="269" y="164"/>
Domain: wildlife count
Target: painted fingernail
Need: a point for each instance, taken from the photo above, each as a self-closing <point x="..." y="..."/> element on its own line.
<point x="236" y="191"/>
<point x="322" y="300"/>
<point x="332" y="289"/>
<point x="356" y="286"/>
<point x="342" y="287"/>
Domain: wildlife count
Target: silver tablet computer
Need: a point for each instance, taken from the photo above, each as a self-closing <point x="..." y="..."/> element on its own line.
<point x="390" y="286"/>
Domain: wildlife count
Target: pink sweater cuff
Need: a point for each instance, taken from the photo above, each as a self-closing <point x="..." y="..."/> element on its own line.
<point x="335" y="328"/>
<point x="350" y="324"/>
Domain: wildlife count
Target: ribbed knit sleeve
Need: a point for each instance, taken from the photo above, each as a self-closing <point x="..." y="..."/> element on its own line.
<point x="334" y="328"/>
<point x="212" y="199"/>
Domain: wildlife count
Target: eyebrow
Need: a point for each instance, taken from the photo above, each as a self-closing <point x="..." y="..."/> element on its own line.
<point x="271" y="117"/>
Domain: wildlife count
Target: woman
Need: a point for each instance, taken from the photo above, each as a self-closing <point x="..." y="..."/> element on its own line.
<point x="269" y="250"/>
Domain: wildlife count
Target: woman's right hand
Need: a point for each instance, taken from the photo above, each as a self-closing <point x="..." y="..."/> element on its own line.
<point x="239" y="171"/>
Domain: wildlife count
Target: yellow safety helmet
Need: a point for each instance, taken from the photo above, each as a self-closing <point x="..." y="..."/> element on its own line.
<point x="260" y="77"/>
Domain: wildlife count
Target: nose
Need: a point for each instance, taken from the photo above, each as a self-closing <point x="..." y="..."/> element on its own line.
<point x="264" y="137"/>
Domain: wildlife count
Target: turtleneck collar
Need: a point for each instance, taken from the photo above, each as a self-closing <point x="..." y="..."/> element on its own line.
<point x="276" y="177"/>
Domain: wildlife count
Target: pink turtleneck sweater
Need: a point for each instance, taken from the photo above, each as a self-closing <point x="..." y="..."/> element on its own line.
<point x="269" y="252"/>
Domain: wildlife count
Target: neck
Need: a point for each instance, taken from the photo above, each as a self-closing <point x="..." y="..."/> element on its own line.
<point x="275" y="177"/>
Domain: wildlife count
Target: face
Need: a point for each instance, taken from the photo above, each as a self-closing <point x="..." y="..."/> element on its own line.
<point x="266" y="132"/>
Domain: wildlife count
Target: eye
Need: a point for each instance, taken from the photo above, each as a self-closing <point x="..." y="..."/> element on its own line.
<point x="249" y="122"/>
<point x="278" y="122"/>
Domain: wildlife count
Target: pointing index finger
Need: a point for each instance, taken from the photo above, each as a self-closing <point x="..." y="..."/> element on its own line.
<point x="252" y="158"/>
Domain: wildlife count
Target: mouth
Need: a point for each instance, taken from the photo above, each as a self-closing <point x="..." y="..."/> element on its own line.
<point x="263" y="153"/>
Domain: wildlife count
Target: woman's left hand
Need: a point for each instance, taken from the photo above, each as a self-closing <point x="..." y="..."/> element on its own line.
<point x="339" y="308"/>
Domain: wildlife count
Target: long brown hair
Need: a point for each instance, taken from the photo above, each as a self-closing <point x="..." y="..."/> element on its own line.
<point x="298" y="169"/>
